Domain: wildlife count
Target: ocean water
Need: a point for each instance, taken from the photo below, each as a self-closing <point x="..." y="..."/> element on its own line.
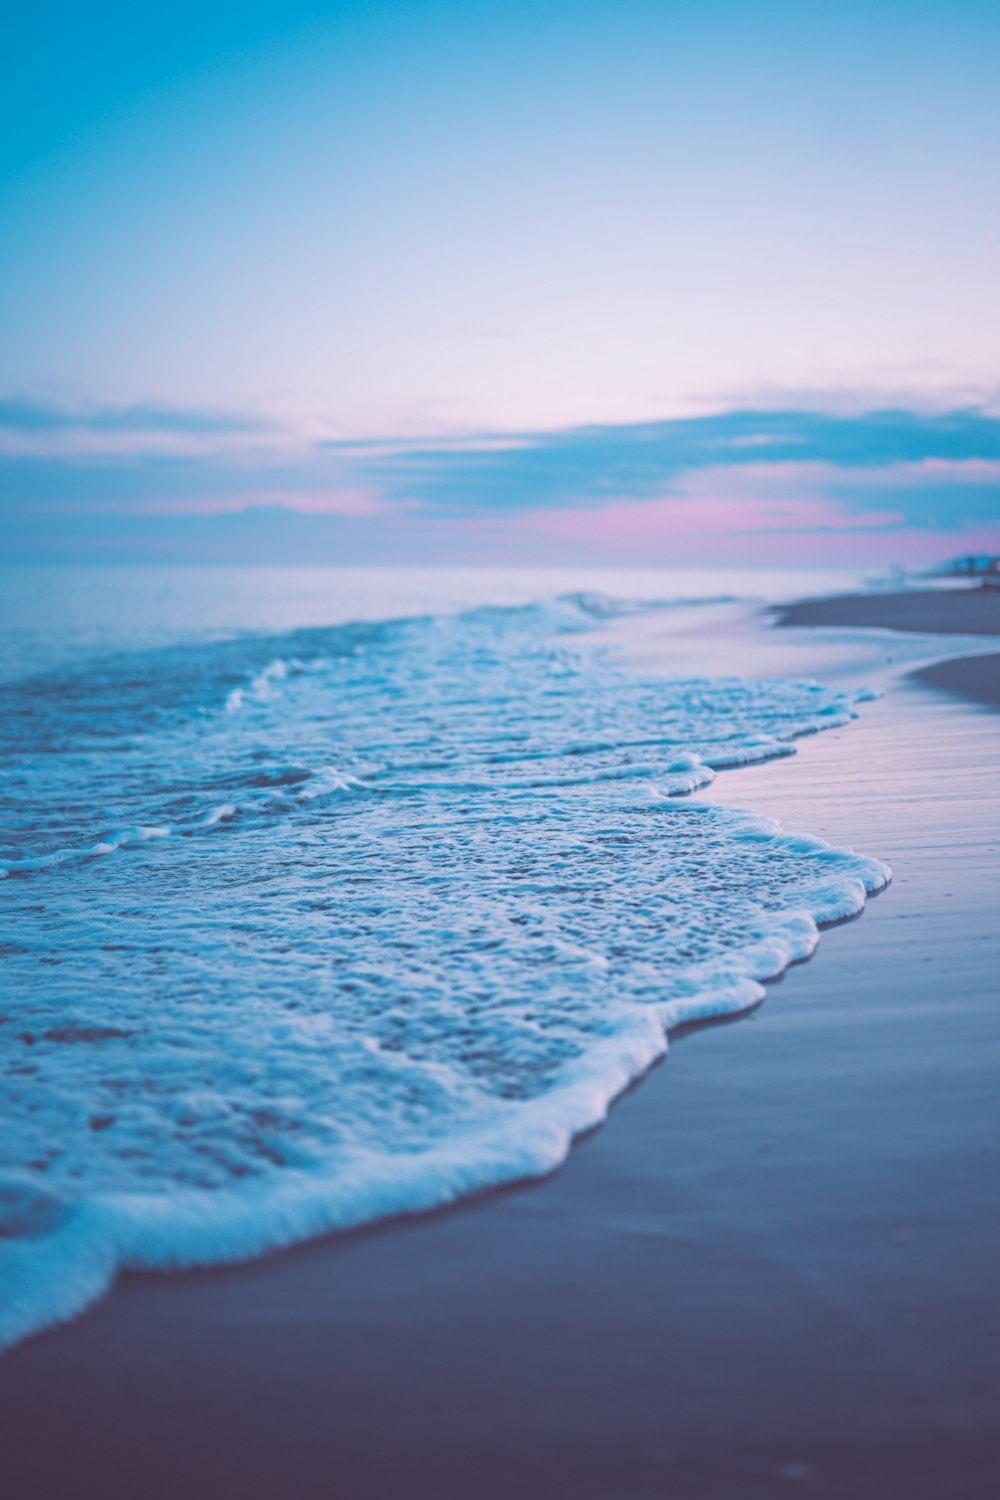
<point x="328" y="897"/>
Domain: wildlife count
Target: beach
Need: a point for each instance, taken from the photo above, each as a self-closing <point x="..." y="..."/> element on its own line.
<point x="499" y="749"/>
<point x="772" y="1271"/>
<point x="945" y="611"/>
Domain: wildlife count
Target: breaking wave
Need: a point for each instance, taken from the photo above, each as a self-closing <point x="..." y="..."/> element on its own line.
<point x="394" y="912"/>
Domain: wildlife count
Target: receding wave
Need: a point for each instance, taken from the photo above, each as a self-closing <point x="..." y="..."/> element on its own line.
<point x="392" y="925"/>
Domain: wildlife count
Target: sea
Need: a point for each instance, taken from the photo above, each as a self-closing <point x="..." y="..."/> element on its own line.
<point x="330" y="895"/>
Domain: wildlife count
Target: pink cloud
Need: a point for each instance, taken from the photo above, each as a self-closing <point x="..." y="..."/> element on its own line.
<point x="754" y="499"/>
<point x="758" y="514"/>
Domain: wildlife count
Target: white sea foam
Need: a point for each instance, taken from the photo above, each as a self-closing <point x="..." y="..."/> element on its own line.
<point x="123" y="838"/>
<point x="261" y="686"/>
<point x="426" y="911"/>
<point x="323" y="783"/>
<point x="65" y="1257"/>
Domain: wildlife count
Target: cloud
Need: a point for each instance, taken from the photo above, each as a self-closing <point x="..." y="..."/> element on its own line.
<point x="760" y="501"/>
<point x="585" y="467"/>
<point x="21" y="414"/>
<point x="696" y="485"/>
<point x="46" y="429"/>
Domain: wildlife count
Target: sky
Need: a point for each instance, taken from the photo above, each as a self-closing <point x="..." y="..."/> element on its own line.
<point x="547" y="282"/>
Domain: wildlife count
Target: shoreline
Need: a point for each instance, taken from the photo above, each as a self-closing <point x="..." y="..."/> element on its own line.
<point x="949" y="611"/>
<point x="946" y="612"/>
<point x="974" y="678"/>
<point x="721" y="1292"/>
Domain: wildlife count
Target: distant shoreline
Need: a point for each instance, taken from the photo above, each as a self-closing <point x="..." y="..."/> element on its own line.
<point x="962" y="611"/>
<point x="974" y="678"/>
<point x="958" y="611"/>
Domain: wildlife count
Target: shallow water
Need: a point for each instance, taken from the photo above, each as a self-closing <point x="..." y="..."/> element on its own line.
<point x="304" y="926"/>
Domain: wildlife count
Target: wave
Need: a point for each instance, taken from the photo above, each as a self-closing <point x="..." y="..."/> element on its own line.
<point x="57" y="1259"/>
<point x="13" y="862"/>
<point x="323" y="783"/>
<point x="450" y="898"/>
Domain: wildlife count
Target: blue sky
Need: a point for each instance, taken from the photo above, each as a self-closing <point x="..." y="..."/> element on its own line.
<point x="438" y="279"/>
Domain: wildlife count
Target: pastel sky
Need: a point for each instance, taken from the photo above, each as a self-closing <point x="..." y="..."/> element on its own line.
<point x="548" y="281"/>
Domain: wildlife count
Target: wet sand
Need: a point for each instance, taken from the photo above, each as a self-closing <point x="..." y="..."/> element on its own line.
<point x="975" y="678"/>
<point x="972" y="610"/>
<point x="944" y="611"/>
<point x="772" y="1272"/>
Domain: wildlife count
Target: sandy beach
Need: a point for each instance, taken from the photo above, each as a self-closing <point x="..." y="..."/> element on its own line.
<point x="772" y="1271"/>
<point x="943" y="611"/>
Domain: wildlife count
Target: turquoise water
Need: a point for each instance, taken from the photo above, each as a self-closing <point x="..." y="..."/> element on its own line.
<point x="308" y="923"/>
